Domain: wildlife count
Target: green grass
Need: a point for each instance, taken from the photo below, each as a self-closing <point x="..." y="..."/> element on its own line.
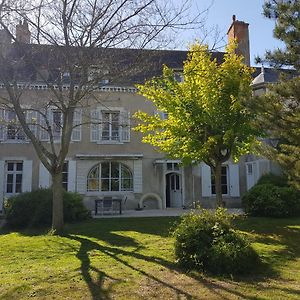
<point x="133" y="259"/>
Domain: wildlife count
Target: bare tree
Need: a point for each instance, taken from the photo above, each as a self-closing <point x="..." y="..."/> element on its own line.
<point x="74" y="45"/>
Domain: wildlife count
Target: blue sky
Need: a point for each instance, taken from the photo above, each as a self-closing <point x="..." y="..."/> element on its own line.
<point x="249" y="11"/>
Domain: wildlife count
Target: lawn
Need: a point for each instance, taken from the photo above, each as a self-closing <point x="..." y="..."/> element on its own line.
<point x="133" y="259"/>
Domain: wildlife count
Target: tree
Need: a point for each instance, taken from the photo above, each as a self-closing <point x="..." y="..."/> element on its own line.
<point x="74" y="48"/>
<point x="278" y="110"/>
<point x="206" y="117"/>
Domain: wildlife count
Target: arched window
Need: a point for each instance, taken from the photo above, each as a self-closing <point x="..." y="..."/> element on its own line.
<point x="109" y="176"/>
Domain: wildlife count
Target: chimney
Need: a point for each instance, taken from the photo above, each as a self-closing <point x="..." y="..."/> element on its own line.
<point x="5" y="42"/>
<point x="22" y="33"/>
<point x="5" y="38"/>
<point x="239" y="30"/>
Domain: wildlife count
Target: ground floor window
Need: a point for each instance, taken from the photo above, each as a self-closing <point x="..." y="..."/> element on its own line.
<point x="14" y="176"/>
<point x="224" y="181"/>
<point x="110" y="176"/>
<point x="65" y="175"/>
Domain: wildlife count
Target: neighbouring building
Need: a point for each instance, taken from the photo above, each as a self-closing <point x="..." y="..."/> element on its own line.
<point x="109" y="158"/>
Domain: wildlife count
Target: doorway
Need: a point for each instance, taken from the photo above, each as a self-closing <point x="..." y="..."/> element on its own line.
<point x="173" y="190"/>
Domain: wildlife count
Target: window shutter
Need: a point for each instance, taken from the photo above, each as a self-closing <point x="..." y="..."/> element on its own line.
<point x="77" y="120"/>
<point x="2" y="164"/>
<point x="71" y="175"/>
<point x="138" y="176"/>
<point x="44" y="135"/>
<point x="205" y="180"/>
<point x="234" y="180"/>
<point x="2" y="126"/>
<point x="95" y="125"/>
<point x="125" y="126"/>
<point x="27" y="176"/>
<point x="31" y="118"/>
<point x="44" y="177"/>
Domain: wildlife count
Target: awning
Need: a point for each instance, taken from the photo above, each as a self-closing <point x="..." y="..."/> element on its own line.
<point x="110" y="156"/>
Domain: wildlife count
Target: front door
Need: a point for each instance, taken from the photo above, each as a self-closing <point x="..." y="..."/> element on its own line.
<point x="173" y="190"/>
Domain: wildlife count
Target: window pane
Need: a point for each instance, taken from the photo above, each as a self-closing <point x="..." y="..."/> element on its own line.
<point x="105" y="185"/>
<point x="176" y="166"/>
<point x="93" y="184"/>
<point x="213" y="189"/>
<point x="10" y="166"/>
<point x="125" y="173"/>
<point x="10" y="178"/>
<point x="9" y="188"/>
<point x="94" y="173"/>
<point x="19" y="166"/>
<point x="114" y="170"/>
<point x="115" y="185"/>
<point x="65" y="167"/>
<point x="65" y="177"/>
<point x="105" y="170"/>
<point x="18" y="188"/>
<point x="126" y="185"/>
<point x="18" y="178"/>
<point x="224" y="189"/>
<point x="169" y="166"/>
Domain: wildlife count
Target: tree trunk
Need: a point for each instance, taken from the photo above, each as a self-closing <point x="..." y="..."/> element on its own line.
<point x="57" y="203"/>
<point x="218" y="186"/>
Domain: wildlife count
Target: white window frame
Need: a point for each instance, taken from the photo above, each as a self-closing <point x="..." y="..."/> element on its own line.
<point x="227" y="181"/>
<point x="97" y="125"/>
<point x="110" y="126"/>
<point x="13" y="172"/>
<point x="110" y="178"/>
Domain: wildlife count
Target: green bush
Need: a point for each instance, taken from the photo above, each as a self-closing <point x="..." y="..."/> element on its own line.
<point x="269" y="200"/>
<point x="273" y="179"/>
<point x="208" y="242"/>
<point x="34" y="209"/>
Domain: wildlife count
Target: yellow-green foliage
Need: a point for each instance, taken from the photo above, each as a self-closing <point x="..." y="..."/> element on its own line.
<point x="205" y="111"/>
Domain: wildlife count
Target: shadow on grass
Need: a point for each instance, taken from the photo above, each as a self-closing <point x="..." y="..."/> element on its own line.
<point x="110" y="231"/>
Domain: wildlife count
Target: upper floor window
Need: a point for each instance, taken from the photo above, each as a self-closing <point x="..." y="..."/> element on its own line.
<point x="13" y="129"/>
<point x="110" y="126"/>
<point x="110" y="176"/>
<point x="14" y="176"/>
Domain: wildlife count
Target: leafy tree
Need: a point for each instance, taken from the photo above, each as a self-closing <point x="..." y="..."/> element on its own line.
<point x="279" y="108"/>
<point x="72" y="50"/>
<point x="206" y="117"/>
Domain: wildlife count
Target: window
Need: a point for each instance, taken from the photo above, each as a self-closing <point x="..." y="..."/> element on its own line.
<point x="110" y="126"/>
<point x="224" y="181"/>
<point x="14" y="129"/>
<point x="109" y="176"/>
<point x="172" y="166"/>
<point x="14" y="176"/>
<point x="57" y="124"/>
<point x="249" y="169"/>
<point x="65" y="175"/>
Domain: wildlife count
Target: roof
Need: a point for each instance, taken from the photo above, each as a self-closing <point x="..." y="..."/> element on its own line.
<point x="129" y="66"/>
<point x="264" y="75"/>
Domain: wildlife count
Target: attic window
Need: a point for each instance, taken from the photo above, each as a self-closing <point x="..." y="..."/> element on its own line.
<point x="178" y="76"/>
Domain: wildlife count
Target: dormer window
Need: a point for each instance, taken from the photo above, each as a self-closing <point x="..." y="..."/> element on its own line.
<point x="178" y="76"/>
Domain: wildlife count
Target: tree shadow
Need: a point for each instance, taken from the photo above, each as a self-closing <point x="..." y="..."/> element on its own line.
<point x="106" y="236"/>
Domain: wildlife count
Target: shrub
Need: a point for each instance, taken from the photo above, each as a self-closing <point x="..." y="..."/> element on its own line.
<point x="34" y="209"/>
<point x="273" y="179"/>
<point x="208" y="242"/>
<point x="269" y="200"/>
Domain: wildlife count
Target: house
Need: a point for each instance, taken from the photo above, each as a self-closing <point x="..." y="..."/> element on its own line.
<point x="107" y="157"/>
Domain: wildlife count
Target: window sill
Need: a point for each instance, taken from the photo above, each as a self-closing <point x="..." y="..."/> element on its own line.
<point x="15" y="142"/>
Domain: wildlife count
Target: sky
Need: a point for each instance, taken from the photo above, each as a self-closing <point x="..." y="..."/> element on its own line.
<point x="250" y="11"/>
